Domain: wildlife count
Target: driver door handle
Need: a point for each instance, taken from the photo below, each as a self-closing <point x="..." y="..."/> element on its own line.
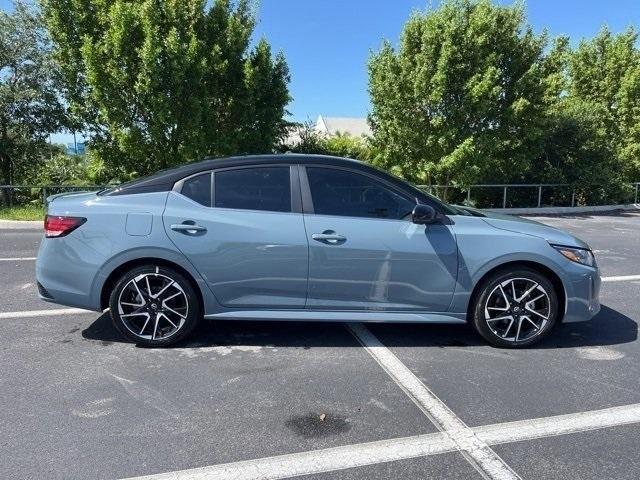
<point x="329" y="237"/>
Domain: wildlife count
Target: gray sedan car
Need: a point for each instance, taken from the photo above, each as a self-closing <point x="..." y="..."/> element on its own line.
<point x="306" y="238"/>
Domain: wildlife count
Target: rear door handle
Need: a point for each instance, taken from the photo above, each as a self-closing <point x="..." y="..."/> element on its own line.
<point x="188" y="227"/>
<point x="329" y="237"/>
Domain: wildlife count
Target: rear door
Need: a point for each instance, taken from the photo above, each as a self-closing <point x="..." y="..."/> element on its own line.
<point x="243" y="229"/>
<point x="365" y="253"/>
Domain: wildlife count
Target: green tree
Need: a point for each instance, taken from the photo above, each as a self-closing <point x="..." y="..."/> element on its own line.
<point x="578" y="151"/>
<point x="161" y="82"/>
<point x="340" y="145"/>
<point x="605" y="71"/>
<point x="29" y="102"/>
<point x="464" y="96"/>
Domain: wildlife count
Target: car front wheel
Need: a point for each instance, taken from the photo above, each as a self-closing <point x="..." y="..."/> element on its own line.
<point x="515" y="308"/>
<point x="154" y="306"/>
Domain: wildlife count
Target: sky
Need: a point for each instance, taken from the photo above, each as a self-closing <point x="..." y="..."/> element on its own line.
<point x="327" y="42"/>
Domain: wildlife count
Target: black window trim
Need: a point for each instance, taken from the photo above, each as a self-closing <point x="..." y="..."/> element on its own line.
<point x="294" y="185"/>
<point x="307" y="199"/>
<point x="177" y="187"/>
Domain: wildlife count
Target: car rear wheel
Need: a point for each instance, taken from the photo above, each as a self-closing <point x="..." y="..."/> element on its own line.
<point x="154" y="306"/>
<point x="515" y="308"/>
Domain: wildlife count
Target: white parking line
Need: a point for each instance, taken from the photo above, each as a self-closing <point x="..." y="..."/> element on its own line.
<point x="559" y="424"/>
<point x="16" y="259"/>
<point x="477" y="452"/>
<point x="621" y="278"/>
<point x="43" y="313"/>
<point x="358" y="455"/>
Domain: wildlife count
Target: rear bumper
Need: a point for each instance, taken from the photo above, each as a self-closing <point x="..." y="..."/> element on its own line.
<point x="63" y="276"/>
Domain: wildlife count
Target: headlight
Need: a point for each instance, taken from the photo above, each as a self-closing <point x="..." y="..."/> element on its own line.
<point x="578" y="255"/>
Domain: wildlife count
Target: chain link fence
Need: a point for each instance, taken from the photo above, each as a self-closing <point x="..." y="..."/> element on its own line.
<point x="480" y="196"/>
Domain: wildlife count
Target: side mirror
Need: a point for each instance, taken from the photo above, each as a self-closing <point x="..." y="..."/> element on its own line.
<point x="423" y="214"/>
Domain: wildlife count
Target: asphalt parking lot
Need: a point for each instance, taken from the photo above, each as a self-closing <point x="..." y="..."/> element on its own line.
<point x="321" y="401"/>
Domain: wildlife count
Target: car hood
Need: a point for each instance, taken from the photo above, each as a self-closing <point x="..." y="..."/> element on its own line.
<point x="526" y="226"/>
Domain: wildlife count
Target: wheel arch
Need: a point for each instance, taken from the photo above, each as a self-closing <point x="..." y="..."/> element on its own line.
<point x="553" y="277"/>
<point x="117" y="272"/>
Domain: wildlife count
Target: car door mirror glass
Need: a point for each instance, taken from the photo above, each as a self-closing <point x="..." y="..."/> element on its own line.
<point x="423" y="214"/>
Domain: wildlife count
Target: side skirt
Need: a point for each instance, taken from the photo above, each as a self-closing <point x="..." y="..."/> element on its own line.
<point x="341" y="316"/>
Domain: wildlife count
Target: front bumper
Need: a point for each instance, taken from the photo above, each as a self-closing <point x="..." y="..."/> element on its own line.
<point x="582" y="291"/>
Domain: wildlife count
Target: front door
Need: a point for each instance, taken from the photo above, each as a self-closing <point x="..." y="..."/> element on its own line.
<point x="365" y="253"/>
<point x="243" y="235"/>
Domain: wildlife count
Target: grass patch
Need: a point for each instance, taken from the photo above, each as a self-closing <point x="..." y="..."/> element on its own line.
<point x="24" y="212"/>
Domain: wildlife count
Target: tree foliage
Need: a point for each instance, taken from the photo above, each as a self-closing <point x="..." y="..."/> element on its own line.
<point x="472" y="95"/>
<point x="30" y="107"/>
<point x="340" y="145"/>
<point x="160" y="83"/>
<point x="463" y="97"/>
<point x="604" y="72"/>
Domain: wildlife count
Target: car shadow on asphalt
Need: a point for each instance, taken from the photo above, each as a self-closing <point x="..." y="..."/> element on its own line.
<point x="609" y="327"/>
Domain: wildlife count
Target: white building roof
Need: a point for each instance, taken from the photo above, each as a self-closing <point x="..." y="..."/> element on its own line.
<point x="354" y="126"/>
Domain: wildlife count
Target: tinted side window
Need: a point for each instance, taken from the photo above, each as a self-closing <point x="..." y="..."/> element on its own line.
<point x="261" y="188"/>
<point x="340" y="192"/>
<point x="198" y="189"/>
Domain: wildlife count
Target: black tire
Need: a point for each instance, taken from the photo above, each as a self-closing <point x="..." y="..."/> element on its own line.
<point x="177" y="316"/>
<point x="493" y="308"/>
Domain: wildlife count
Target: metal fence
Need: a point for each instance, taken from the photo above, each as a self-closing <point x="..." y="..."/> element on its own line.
<point x="481" y="195"/>
<point x="36" y="195"/>
<point x="534" y="195"/>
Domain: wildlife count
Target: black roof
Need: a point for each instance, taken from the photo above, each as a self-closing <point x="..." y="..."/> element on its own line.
<point x="165" y="179"/>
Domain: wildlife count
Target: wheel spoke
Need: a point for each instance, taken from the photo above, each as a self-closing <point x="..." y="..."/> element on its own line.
<point x="504" y="335"/>
<point x="132" y="304"/>
<point x="135" y="284"/>
<point x="172" y="296"/>
<point x="498" y="308"/>
<point x="513" y="290"/>
<point x="507" y="317"/>
<point x="531" y="310"/>
<point x="519" y="328"/>
<point x="145" y="324"/>
<point x="536" y="299"/>
<point x="504" y="295"/>
<point x="169" y="320"/>
<point x="146" y="279"/>
<point x="157" y="295"/>
<point x="134" y="314"/>
<point x="173" y="311"/>
<point x="532" y="322"/>
<point x="526" y="294"/>
<point x="155" y="327"/>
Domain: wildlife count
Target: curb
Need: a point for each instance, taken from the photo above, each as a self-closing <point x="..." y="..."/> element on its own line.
<point x="566" y="210"/>
<point x="21" y="225"/>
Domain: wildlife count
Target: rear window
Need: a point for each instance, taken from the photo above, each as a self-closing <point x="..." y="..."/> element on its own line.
<point x="198" y="189"/>
<point x="260" y="188"/>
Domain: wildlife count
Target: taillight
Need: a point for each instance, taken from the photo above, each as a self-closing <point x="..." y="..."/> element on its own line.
<point x="59" y="226"/>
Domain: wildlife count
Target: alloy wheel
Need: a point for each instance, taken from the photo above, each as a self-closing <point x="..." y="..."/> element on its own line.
<point x="517" y="309"/>
<point x="153" y="306"/>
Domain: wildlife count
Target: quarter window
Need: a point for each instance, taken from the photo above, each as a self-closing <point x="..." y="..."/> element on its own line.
<point x="198" y="189"/>
<point x="263" y="188"/>
<point x="344" y="193"/>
